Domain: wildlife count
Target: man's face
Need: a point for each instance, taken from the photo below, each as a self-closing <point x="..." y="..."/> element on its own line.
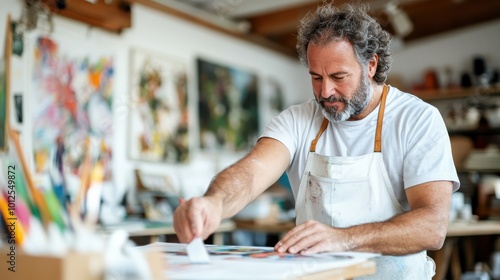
<point x="341" y="86"/>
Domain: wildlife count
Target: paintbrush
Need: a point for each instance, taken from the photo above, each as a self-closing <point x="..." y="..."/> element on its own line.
<point x="36" y="194"/>
<point x="11" y="221"/>
<point x="84" y="176"/>
<point x="74" y="208"/>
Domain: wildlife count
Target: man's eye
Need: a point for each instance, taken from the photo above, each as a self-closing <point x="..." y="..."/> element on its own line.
<point x="316" y="78"/>
<point x="339" y="77"/>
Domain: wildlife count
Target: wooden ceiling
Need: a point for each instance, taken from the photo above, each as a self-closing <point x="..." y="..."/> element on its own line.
<point x="429" y="17"/>
<point x="112" y="15"/>
<point x="276" y="28"/>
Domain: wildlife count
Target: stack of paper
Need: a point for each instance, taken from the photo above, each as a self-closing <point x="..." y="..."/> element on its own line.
<point x="245" y="262"/>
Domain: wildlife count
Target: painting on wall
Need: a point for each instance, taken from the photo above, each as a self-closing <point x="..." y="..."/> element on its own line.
<point x="71" y="105"/>
<point x="227" y="106"/>
<point x="274" y="100"/>
<point x="159" y="116"/>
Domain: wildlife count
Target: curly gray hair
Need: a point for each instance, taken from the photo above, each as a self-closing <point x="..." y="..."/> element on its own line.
<point x="348" y="22"/>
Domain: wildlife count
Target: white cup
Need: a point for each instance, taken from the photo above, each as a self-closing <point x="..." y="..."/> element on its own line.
<point x="466" y="212"/>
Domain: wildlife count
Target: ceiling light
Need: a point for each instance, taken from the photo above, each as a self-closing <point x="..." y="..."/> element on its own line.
<point x="399" y="19"/>
<point x="219" y="21"/>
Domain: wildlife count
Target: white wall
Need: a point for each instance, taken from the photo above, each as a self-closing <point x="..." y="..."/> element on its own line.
<point x="169" y="36"/>
<point x="453" y="49"/>
<point x="165" y="34"/>
<point x="162" y="33"/>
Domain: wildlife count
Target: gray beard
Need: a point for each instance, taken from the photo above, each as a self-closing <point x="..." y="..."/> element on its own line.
<point x="353" y="107"/>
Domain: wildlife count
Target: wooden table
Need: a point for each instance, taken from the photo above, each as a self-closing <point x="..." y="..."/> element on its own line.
<point x="274" y="227"/>
<point x="231" y="266"/>
<point x="448" y="256"/>
<point x="367" y="267"/>
<point x="474" y="228"/>
<point x="348" y="272"/>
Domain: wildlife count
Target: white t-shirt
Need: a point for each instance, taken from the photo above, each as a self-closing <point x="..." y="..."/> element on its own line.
<point x="415" y="143"/>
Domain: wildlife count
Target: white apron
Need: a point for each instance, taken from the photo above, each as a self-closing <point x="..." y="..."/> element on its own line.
<point x="347" y="191"/>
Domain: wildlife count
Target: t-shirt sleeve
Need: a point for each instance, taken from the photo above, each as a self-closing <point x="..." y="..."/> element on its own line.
<point x="282" y="129"/>
<point x="429" y="156"/>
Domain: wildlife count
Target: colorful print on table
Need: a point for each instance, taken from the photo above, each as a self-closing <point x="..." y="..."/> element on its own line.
<point x="234" y="252"/>
<point x="227" y="107"/>
<point x="71" y="104"/>
<point x="159" y="117"/>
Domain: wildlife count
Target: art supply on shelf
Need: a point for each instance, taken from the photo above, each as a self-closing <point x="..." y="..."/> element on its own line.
<point x="35" y="193"/>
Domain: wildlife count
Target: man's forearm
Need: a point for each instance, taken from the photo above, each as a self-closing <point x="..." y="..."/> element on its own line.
<point x="233" y="187"/>
<point x="411" y="232"/>
<point x="243" y="181"/>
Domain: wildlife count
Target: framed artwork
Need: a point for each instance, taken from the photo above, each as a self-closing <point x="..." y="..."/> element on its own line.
<point x="71" y="97"/>
<point x="159" y="116"/>
<point x="274" y="101"/>
<point x="227" y="106"/>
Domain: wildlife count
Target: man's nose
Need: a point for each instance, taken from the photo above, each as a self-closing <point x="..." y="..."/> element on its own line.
<point x="327" y="88"/>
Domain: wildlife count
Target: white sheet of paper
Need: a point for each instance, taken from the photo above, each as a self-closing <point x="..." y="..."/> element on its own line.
<point x="197" y="252"/>
<point x="238" y="267"/>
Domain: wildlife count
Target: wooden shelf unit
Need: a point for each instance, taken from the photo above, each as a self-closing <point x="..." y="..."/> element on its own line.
<point x="444" y="94"/>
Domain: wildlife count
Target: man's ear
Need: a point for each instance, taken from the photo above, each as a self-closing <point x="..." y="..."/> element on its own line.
<point x="372" y="66"/>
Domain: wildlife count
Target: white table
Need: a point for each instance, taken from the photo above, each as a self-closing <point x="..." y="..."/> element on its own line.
<point x="448" y="255"/>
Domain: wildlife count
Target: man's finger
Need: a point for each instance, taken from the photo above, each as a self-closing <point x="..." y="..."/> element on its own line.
<point x="288" y="240"/>
<point x="183" y="221"/>
<point x="195" y="220"/>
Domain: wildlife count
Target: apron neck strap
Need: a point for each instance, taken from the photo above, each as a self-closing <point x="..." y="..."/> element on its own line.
<point x="378" y="133"/>
<point x="324" y="124"/>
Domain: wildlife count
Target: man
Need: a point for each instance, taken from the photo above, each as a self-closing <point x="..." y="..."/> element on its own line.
<point x="370" y="166"/>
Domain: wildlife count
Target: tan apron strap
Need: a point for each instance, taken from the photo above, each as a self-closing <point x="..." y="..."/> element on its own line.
<point x="378" y="133"/>
<point x="324" y="125"/>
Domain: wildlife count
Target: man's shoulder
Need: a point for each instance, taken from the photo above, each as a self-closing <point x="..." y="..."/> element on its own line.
<point x="298" y="115"/>
<point x="307" y="108"/>
<point x="410" y="112"/>
<point x="404" y="101"/>
<point x="308" y="104"/>
<point x="400" y="95"/>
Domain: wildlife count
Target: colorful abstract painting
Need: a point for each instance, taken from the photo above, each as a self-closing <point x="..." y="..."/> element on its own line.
<point x="159" y="117"/>
<point x="228" y="107"/>
<point x="71" y="101"/>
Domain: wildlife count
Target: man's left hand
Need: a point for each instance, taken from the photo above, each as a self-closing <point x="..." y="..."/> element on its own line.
<point x="312" y="237"/>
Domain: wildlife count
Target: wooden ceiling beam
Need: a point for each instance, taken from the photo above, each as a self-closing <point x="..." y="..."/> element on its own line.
<point x="434" y="17"/>
<point x="277" y="30"/>
<point x="282" y="21"/>
<point x="287" y="20"/>
<point x="113" y="17"/>
<point x="289" y="40"/>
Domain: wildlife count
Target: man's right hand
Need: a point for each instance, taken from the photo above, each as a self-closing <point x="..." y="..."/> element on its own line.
<point x="197" y="217"/>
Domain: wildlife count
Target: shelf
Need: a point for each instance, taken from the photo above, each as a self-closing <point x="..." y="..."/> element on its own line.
<point x="478" y="170"/>
<point x="443" y="94"/>
<point x="475" y="132"/>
